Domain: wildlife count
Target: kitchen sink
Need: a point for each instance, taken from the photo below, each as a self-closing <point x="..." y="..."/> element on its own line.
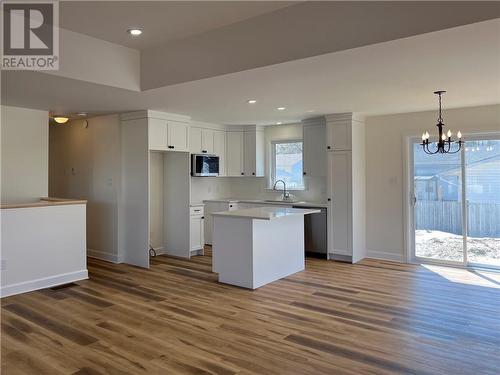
<point x="281" y="201"/>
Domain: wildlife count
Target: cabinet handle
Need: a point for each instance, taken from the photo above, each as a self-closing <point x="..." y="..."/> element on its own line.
<point x="242" y="173"/>
<point x="203" y="217"/>
<point x="197" y="210"/>
<point x="253" y="173"/>
<point x="329" y="200"/>
<point x="170" y="147"/>
<point x="328" y="147"/>
<point x="231" y="205"/>
<point x="204" y="151"/>
<point x="304" y="173"/>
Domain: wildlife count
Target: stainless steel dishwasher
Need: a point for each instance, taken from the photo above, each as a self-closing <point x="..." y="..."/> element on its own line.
<point x="315" y="233"/>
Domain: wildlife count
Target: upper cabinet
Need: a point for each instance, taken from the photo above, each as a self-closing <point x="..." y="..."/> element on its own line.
<point x="245" y="152"/>
<point x="234" y="153"/>
<point x="166" y="135"/>
<point x="339" y="132"/>
<point x="195" y="140"/>
<point x="314" y="150"/>
<point x="219" y="149"/>
<point x="207" y="141"/>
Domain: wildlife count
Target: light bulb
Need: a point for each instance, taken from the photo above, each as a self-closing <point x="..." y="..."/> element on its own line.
<point x="443" y="137"/>
<point x="427" y="135"/>
<point x="449" y="134"/>
<point x="459" y="134"/>
<point x="423" y="137"/>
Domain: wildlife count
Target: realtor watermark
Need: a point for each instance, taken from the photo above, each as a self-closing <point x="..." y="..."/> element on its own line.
<point x="30" y="39"/>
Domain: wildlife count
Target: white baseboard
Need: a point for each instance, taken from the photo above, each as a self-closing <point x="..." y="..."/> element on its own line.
<point x="384" y="255"/>
<point x="45" y="282"/>
<point x="102" y="255"/>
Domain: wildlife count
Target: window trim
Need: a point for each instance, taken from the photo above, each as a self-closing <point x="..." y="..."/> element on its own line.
<point x="272" y="163"/>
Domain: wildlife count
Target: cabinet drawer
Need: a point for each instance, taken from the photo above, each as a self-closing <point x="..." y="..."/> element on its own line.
<point x="197" y="211"/>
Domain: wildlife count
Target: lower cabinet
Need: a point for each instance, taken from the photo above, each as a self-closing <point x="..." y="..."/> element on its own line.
<point x="215" y="207"/>
<point x="197" y="231"/>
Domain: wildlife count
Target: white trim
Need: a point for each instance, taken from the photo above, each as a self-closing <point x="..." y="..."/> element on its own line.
<point x="154" y="114"/>
<point x="45" y="282"/>
<point x="102" y="255"/>
<point x="385" y="255"/>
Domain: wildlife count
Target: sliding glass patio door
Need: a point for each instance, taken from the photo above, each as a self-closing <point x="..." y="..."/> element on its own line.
<point x="456" y="204"/>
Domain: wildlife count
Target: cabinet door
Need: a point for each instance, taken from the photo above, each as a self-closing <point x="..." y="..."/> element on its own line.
<point x="314" y="150"/>
<point x="339" y="136"/>
<point x="177" y="136"/>
<point x="234" y="150"/>
<point x="158" y="134"/>
<point x="196" y="233"/>
<point x="340" y="194"/>
<point x="220" y="150"/>
<point x="207" y="141"/>
<point x="249" y="152"/>
<point x="195" y="140"/>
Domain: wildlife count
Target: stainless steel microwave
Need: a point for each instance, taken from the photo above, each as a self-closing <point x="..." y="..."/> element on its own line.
<point x="204" y="165"/>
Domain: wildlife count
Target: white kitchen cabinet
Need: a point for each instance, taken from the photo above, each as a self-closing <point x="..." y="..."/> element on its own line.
<point x="245" y="153"/>
<point x="158" y="134"/>
<point x="346" y="189"/>
<point x="211" y="207"/>
<point x="314" y="150"/>
<point x="177" y="136"/>
<point x="234" y="152"/>
<point x="339" y="187"/>
<point x="249" y="153"/>
<point x="165" y="135"/>
<point x="195" y="140"/>
<point x="196" y="230"/>
<point x="220" y="150"/>
<point x="339" y="132"/>
<point x="207" y="141"/>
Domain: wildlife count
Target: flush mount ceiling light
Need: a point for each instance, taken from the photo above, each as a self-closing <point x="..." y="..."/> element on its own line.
<point x="444" y="143"/>
<point x="281" y="108"/>
<point x="134" y="31"/>
<point x="60" y="119"/>
<point x="251" y="101"/>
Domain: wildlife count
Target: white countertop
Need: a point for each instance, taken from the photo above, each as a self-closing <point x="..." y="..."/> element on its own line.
<point x="272" y="203"/>
<point x="266" y="213"/>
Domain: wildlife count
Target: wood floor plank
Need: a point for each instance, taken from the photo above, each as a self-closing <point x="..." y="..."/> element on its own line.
<point x="375" y="317"/>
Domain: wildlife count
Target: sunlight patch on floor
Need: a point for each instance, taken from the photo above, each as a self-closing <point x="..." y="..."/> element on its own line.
<point x="477" y="277"/>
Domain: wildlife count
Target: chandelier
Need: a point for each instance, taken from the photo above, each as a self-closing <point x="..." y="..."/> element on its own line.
<point x="444" y="145"/>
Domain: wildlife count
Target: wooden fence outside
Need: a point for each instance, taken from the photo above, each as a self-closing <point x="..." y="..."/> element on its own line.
<point x="446" y="216"/>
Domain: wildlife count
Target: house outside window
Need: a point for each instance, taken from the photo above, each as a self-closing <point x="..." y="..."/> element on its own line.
<point x="287" y="163"/>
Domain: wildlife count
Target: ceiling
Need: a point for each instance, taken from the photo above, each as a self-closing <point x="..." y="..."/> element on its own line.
<point x="390" y="77"/>
<point x="161" y="21"/>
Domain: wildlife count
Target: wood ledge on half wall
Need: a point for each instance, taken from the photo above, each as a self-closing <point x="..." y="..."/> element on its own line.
<point x="44" y="202"/>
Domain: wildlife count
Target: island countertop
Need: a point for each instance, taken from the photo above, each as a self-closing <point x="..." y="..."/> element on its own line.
<point x="266" y="213"/>
<point x="43" y="202"/>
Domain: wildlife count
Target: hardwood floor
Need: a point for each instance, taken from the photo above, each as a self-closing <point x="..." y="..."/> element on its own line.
<point x="375" y="317"/>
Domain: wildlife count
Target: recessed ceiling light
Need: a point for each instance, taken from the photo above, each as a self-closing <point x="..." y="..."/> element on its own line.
<point x="134" y="32"/>
<point x="252" y="101"/>
<point x="81" y="114"/>
<point x="61" y="119"/>
<point x="310" y="110"/>
<point x="279" y="123"/>
<point x="281" y="108"/>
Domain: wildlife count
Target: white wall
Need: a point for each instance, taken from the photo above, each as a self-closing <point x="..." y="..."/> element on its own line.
<point x="384" y="168"/>
<point x="85" y="163"/>
<point x="24" y="154"/>
<point x="258" y="187"/>
<point x="156" y="189"/>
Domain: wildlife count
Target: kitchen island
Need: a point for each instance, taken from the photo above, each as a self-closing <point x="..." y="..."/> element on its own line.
<point x="255" y="246"/>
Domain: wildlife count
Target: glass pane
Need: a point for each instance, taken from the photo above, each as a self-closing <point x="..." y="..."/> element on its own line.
<point x="482" y="163"/>
<point x="438" y="215"/>
<point x="289" y="164"/>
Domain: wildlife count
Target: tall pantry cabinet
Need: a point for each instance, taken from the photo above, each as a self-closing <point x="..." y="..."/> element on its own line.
<point x="345" y="144"/>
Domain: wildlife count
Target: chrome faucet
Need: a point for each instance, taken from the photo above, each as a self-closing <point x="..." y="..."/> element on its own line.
<point x="286" y="194"/>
